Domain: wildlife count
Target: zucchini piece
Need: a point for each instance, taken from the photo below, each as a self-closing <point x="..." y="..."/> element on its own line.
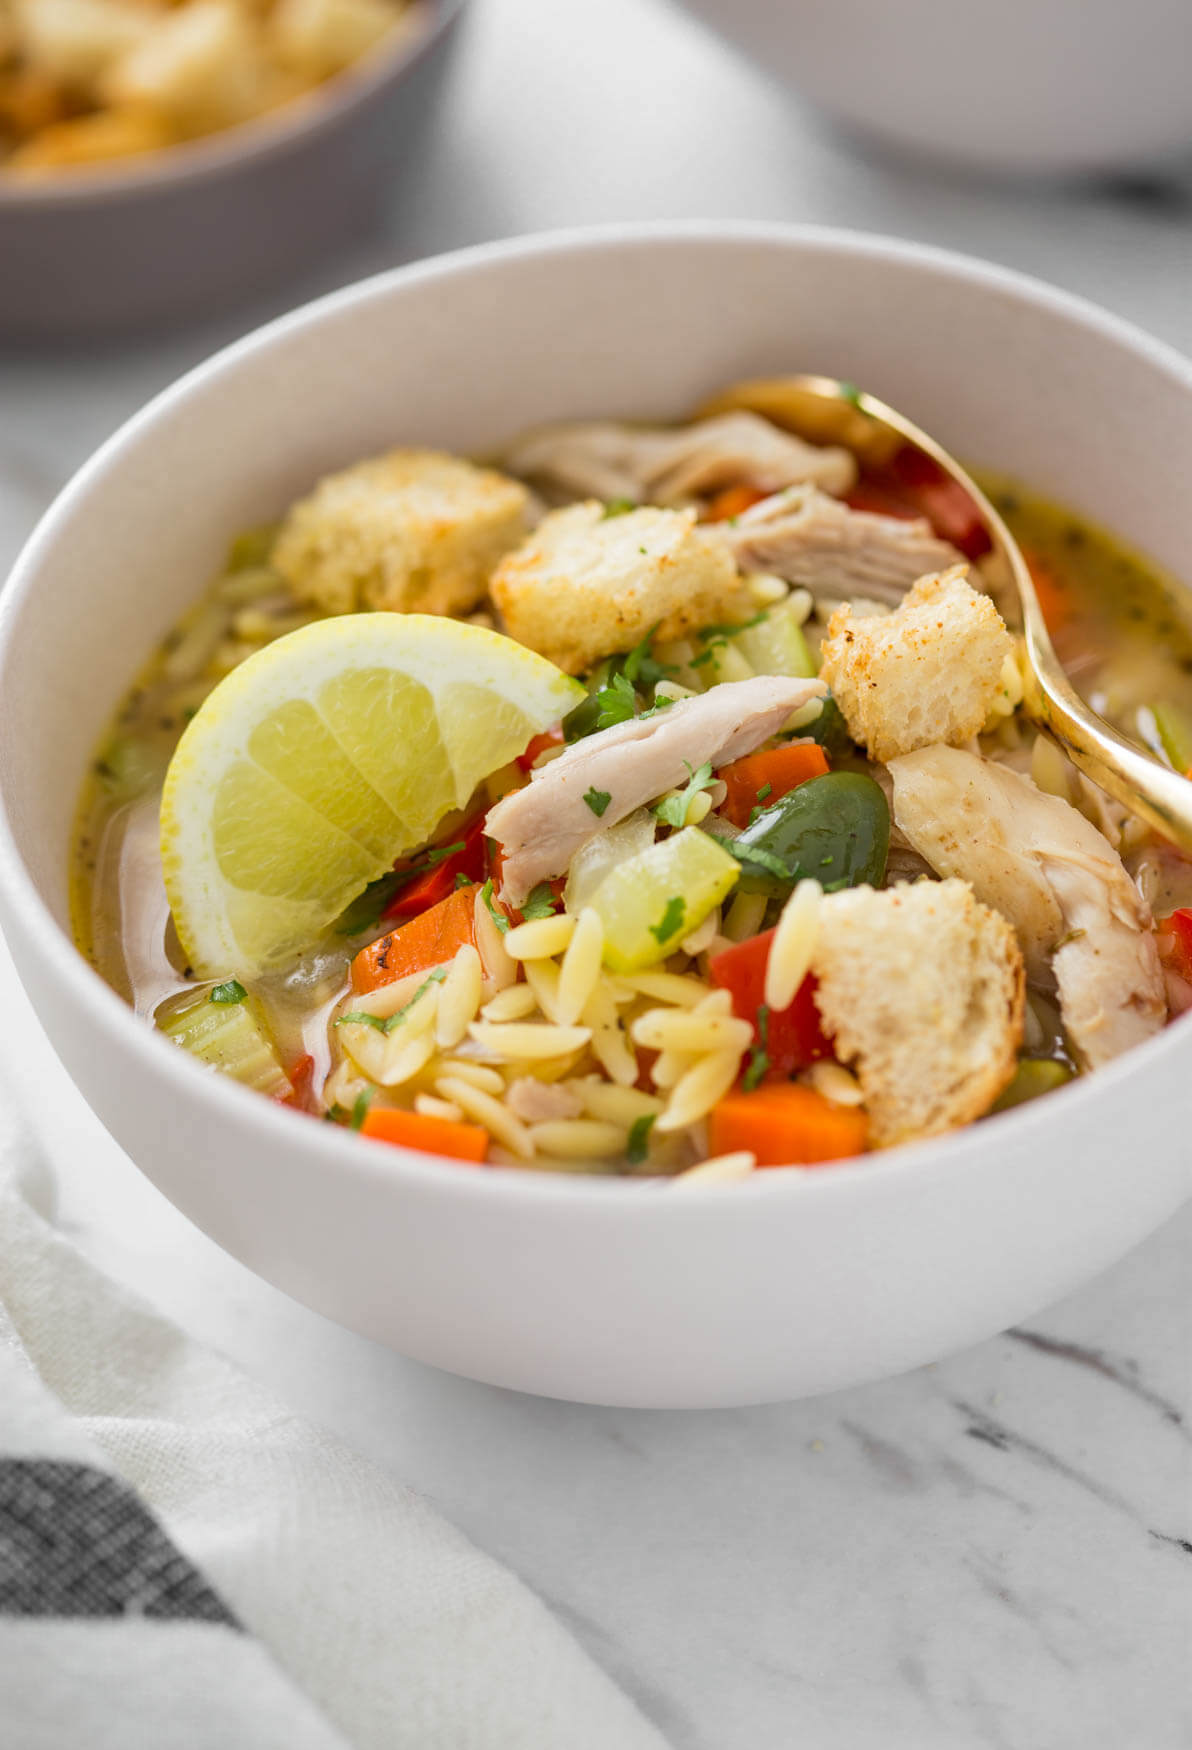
<point x="835" y="829"/>
<point x="1175" y="732"/>
<point x="649" y="902"/>
<point x="229" y="1036"/>
<point x="1034" y="1076"/>
<point x="776" y="645"/>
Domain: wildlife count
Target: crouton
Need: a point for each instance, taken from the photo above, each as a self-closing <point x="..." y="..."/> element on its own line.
<point x="925" y="674"/>
<point x="922" y="989"/>
<point x="586" y="585"/>
<point x="201" y="66"/>
<point x="413" y="531"/>
<point x="92" y="139"/>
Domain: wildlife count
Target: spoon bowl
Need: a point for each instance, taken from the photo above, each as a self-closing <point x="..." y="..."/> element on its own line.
<point x="826" y="411"/>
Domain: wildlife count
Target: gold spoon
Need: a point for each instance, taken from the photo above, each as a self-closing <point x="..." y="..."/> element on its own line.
<point x="823" y="410"/>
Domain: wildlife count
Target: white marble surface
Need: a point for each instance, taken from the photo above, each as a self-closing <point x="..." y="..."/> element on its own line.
<point x="996" y="1551"/>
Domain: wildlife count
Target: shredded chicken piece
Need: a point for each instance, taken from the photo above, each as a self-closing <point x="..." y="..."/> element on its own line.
<point x="536" y="1102"/>
<point x="1079" y="918"/>
<point x="820" y="544"/>
<point x="604" y="459"/>
<point x="542" y="826"/>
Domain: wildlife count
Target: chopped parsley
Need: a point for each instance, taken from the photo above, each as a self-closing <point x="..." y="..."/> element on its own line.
<point x="761" y="859"/>
<point x="766" y="790"/>
<point x="638" y="1146"/>
<point x="364" y="1100"/>
<point x="643" y="668"/>
<point x="462" y="880"/>
<point x="730" y="628"/>
<point x="706" y="656"/>
<point x="671" y="921"/>
<point x="672" y="810"/>
<point x="598" y="800"/>
<point x="441" y="853"/>
<point x="368" y="908"/>
<point x="498" y="917"/>
<point x="759" y="1057"/>
<point x="616" y="703"/>
<point x="362" y="1017"/>
<point x="541" y="903"/>
<point x="232" y="991"/>
<point x="618" y="507"/>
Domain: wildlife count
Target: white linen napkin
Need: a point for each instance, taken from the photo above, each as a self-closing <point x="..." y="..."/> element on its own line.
<point x="184" y="1564"/>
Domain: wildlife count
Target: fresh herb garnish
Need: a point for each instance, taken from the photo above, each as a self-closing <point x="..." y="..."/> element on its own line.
<point x="598" y="800"/>
<point x="618" y="507"/>
<point x="498" y="917"/>
<point x="766" y="790"/>
<point x="672" y="810"/>
<point x="730" y="628"/>
<point x="671" y="921"/>
<point x="232" y="991"/>
<point x="617" y="702"/>
<point x="706" y="656"/>
<point x="638" y="1145"/>
<point x="849" y="392"/>
<point x="761" y="859"/>
<point x="643" y="668"/>
<point x="441" y="853"/>
<point x="541" y="903"/>
<point x="462" y="880"/>
<point x="759" y="1057"/>
<point x="336" y="1114"/>
<point x="364" y="1100"/>
<point x="387" y="1024"/>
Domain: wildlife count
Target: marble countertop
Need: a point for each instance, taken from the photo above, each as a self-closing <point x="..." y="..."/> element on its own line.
<point x="994" y="1551"/>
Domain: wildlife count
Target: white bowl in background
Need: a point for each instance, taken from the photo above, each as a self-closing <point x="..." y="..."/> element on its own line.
<point x="611" y="1291"/>
<point x="1016" y="86"/>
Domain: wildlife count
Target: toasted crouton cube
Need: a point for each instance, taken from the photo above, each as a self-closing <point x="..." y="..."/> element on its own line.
<point x="413" y="531"/>
<point x="74" y="41"/>
<point x="320" y="37"/>
<point x="927" y="673"/>
<point x="586" y="585"/>
<point x="200" y="65"/>
<point x="921" y="989"/>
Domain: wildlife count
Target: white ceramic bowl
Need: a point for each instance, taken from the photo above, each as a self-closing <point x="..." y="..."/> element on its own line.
<point x="605" y="1290"/>
<point x="1010" y="86"/>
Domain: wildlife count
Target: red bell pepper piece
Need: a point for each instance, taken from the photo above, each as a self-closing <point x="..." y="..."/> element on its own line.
<point x="432" y="884"/>
<point x="1179" y="928"/>
<point x="794" y="1036"/>
<point x="538" y="744"/>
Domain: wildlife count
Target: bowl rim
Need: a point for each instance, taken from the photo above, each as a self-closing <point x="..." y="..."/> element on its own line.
<point x="271" y="135"/>
<point x="327" y="1146"/>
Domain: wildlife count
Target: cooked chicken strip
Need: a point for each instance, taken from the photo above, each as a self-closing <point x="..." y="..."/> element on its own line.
<point x="1079" y="917"/>
<point x="820" y="544"/>
<point x="603" y="459"/>
<point x="542" y="826"/>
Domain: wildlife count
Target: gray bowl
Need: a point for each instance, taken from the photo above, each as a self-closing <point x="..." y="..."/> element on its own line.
<point x="196" y="227"/>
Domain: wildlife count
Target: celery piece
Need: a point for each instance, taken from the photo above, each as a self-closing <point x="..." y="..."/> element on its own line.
<point x="230" y="1037"/>
<point x="129" y="766"/>
<point x="252" y="547"/>
<point x="1034" y="1076"/>
<point x="775" y="644"/>
<point x="1175" y="732"/>
<point x="649" y="902"/>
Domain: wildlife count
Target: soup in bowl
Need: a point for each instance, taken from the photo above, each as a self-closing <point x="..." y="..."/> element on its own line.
<point x="557" y="777"/>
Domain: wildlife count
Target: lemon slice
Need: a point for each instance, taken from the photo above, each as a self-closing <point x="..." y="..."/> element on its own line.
<point x="325" y="756"/>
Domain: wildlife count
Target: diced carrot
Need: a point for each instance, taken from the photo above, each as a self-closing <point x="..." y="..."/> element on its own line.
<point x="429" y="940"/>
<point x="538" y="744"/>
<point x="301" y="1073"/>
<point x="1177" y="930"/>
<point x="794" y="1036"/>
<point x="433" y="1136"/>
<point x="432" y="884"/>
<point x="1055" y="598"/>
<point x="731" y="501"/>
<point x="785" y="1124"/>
<point x="782" y="769"/>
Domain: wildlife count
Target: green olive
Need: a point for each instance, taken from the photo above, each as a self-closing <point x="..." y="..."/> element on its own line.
<point x="834" y="830"/>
